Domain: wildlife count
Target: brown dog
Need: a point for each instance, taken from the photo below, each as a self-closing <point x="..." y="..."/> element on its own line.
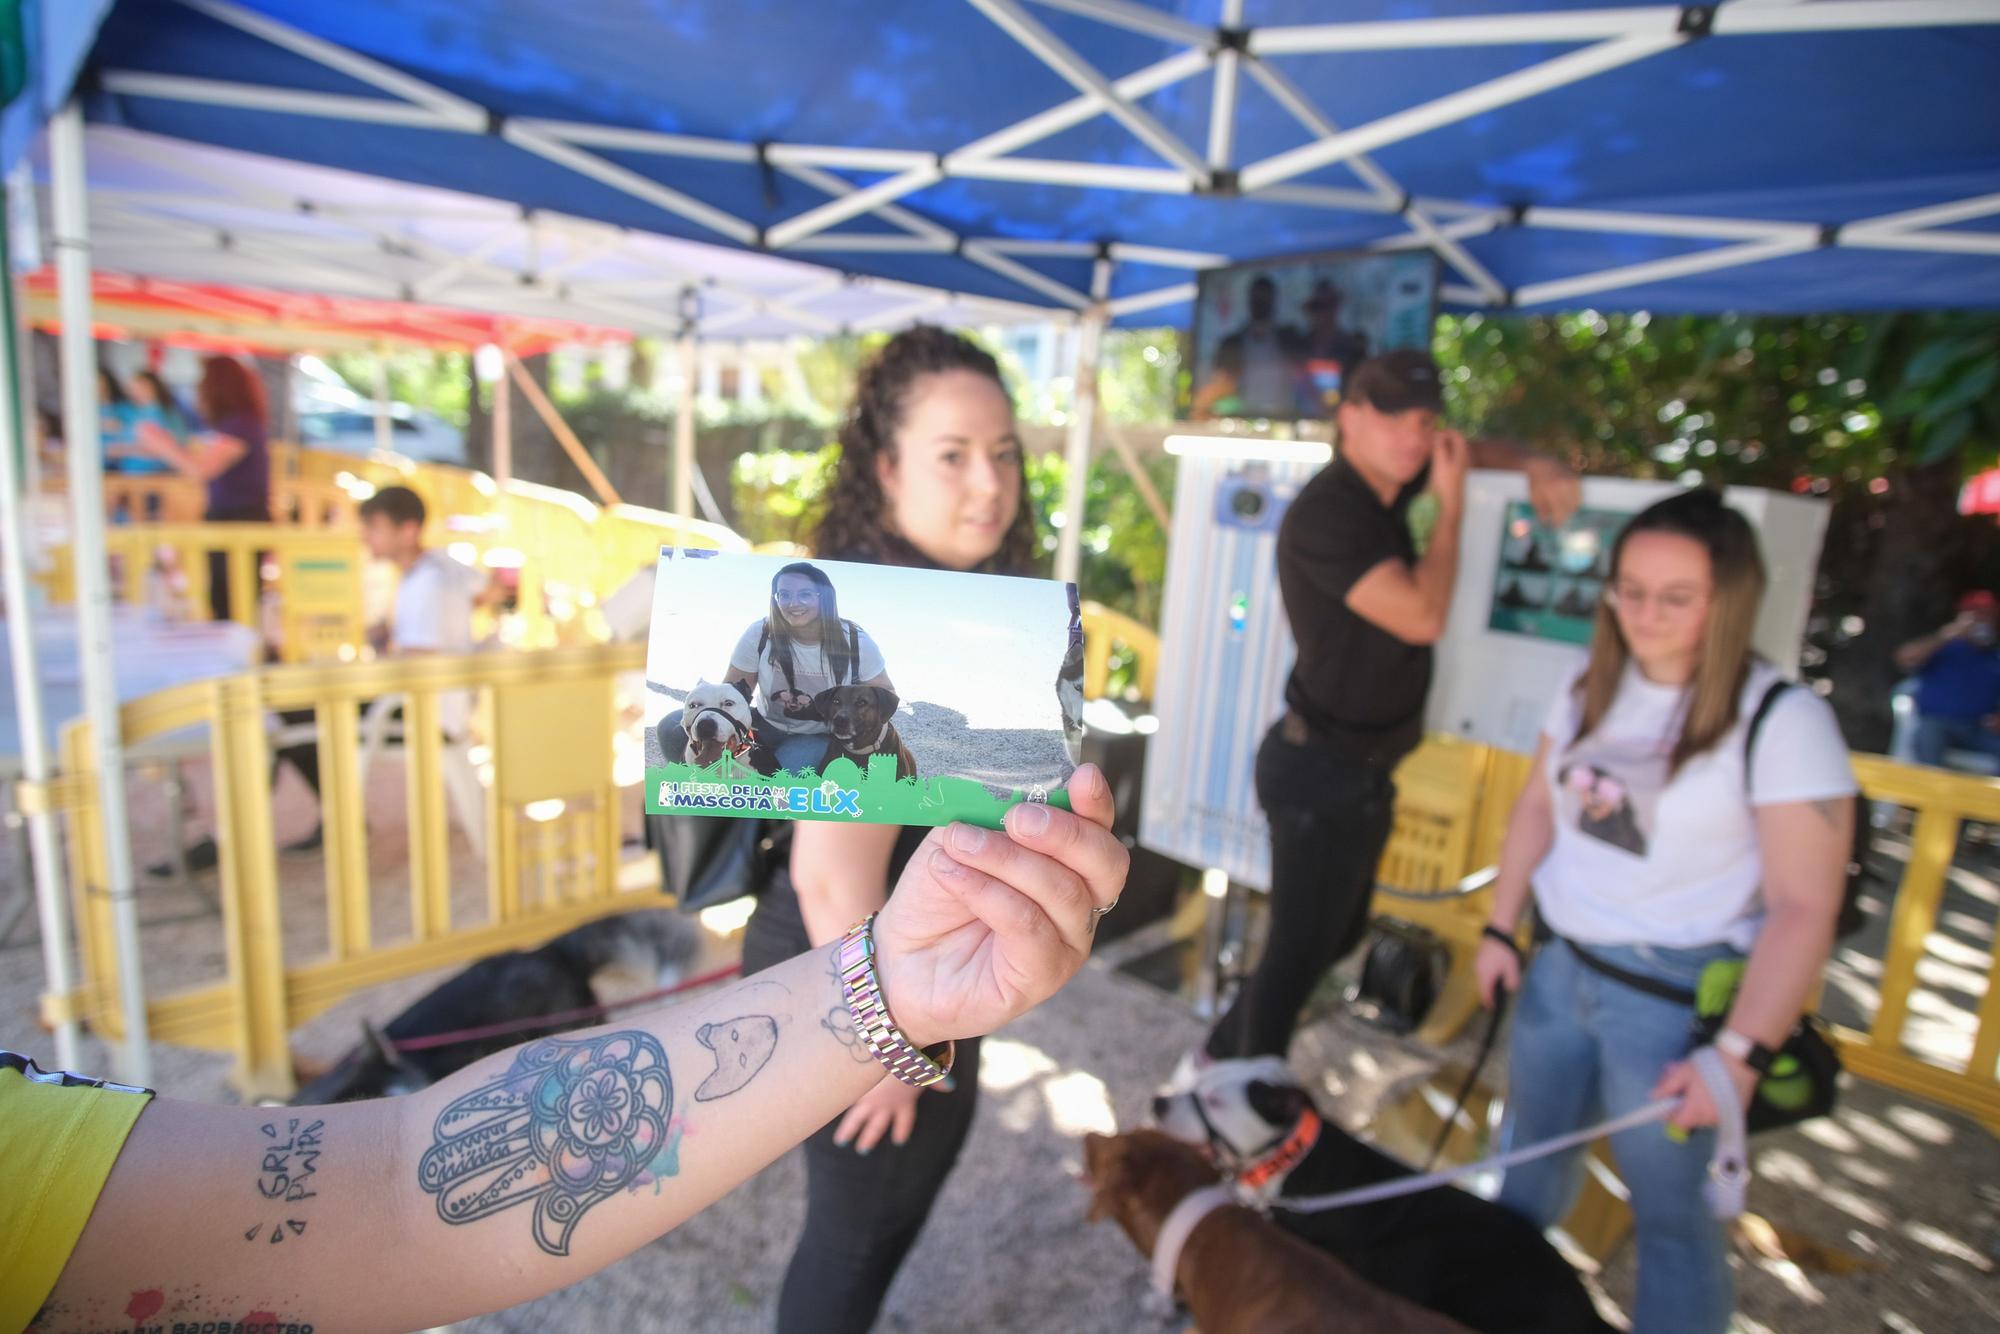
<point x="859" y="719"/>
<point x="1238" y="1273"/>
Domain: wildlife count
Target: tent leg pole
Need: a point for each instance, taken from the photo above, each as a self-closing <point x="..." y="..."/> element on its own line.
<point x="503" y="430"/>
<point x="85" y="452"/>
<point x="683" y="495"/>
<point x="385" y="435"/>
<point x="1082" y="423"/>
<point x="51" y="895"/>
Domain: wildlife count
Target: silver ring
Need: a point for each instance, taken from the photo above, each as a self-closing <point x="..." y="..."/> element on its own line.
<point x="1096" y="913"/>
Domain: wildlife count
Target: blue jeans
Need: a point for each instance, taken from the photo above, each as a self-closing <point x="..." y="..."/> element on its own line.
<point x="1584" y="1048"/>
<point x="797" y="754"/>
<point x="1937" y="735"/>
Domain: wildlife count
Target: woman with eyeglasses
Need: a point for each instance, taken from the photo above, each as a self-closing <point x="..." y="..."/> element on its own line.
<point x="1657" y="840"/>
<point x="801" y="647"/>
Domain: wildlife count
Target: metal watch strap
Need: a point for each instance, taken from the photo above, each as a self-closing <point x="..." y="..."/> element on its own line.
<point x="861" y="988"/>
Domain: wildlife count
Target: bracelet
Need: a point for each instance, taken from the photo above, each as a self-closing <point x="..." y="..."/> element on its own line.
<point x="861" y="988"/>
<point x="1492" y="932"/>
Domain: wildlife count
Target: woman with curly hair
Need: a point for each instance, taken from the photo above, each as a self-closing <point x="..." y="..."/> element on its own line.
<point x="929" y="476"/>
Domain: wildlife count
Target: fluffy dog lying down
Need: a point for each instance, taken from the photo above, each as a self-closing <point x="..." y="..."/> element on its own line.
<point x="599" y="963"/>
<point x="1238" y="1272"/>
<point x="1446" y="1249"/>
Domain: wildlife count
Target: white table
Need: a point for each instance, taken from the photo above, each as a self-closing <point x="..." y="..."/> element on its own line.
<point x="147" y="655"/>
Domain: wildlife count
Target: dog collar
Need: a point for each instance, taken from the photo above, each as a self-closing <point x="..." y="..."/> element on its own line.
<point x="880" y="737"/>
<point x="1174" y="1234"/>
<point x="1274" y="1166"/>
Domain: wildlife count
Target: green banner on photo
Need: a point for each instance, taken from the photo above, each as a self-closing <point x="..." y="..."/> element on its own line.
<point x="844" y="793"/>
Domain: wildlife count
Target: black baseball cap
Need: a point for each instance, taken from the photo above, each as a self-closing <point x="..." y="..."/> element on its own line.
<point x="1398" y="381"/>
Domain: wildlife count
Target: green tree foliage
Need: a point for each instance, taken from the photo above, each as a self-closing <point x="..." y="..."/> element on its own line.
<point x="780" y="495"/>
<point x="438" y="382"/>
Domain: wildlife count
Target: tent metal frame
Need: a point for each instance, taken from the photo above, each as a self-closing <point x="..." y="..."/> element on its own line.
<point x="1610" y="38"/>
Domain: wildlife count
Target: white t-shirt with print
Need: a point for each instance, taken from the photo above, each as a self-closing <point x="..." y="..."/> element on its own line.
<point x="783" y="701"/>
<point x="1640" y="860"/>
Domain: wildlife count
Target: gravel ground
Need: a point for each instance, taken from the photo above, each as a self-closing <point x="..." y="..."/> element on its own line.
<point x="1892" y="1207"/>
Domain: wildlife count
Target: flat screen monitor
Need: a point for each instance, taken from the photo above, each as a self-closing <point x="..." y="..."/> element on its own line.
<point x="1272" y="339"/>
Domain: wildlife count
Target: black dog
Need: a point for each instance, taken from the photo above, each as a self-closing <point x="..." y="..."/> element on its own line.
<point x="601" y="962"/>
<point x="1446" y="1249"/>
<point x="859" y="719"/>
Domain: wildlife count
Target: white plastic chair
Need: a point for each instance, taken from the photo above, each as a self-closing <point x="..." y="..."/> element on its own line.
<point x="382" y="728"/>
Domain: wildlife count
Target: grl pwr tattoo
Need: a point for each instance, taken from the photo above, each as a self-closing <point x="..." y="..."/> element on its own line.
<point x="285" y="1175"/>
<point x="569" y="1123"/>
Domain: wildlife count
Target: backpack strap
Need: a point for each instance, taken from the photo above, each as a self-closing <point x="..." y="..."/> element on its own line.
<point x="1762" y="711"/>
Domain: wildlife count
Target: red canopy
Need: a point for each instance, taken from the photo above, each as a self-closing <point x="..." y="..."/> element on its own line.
<point x="239" y="319"/>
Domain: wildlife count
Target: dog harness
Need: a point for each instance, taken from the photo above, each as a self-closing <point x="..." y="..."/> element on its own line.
<point x="1174" y="1234"/>
<point x="746" y="737"/>
<point x="1268" y="1172"/>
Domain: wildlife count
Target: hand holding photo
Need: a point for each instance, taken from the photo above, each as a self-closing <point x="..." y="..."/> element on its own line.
<point x="821" y="690"/>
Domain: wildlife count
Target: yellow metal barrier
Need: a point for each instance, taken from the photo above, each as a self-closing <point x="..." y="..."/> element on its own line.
<point x="1943" y="802"/>
<point x="552" y="836"/>
<point x="631" y="537"/>
<point x="313" y="502"/>
<point x="1454" y="800"/>
<point x="153" y="498"/>
<point x="316" y="576"/>
<point x="1103" y="631"/>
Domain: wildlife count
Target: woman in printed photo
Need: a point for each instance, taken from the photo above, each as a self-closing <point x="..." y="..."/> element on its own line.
<point x="802" y="646"/>
<point x="1659" y="837"/>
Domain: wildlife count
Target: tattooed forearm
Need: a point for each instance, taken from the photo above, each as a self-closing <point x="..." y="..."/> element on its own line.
<point x="839" y="1020"/>
<point x="569" y="1123"/>
<point x="742" y="1046"/>
<point x="286" y="1175"/>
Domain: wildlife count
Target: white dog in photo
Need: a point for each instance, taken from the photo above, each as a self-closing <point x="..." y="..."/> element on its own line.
<point x="715" y="721"/>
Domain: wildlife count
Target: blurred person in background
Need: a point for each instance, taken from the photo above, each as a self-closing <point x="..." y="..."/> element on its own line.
<point x="232" y="456"/>
<point x="1958" y="682"/>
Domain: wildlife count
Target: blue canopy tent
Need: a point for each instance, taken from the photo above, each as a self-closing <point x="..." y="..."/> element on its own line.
<point x="1755" y="155"/>
<point x="1089" y="156"/>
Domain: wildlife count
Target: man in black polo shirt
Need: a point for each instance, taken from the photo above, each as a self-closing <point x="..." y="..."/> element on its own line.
<point x="1365" y="608"/>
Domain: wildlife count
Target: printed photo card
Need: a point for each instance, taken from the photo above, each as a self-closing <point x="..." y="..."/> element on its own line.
<point x="780" y="688"/>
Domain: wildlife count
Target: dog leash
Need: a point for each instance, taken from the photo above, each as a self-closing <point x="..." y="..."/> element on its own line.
<point x="560" y="1018"/>
<point x="1500" y="999"/>
<point x="1729" y="1166"/>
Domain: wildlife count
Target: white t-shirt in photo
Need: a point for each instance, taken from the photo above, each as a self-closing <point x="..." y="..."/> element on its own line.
<point x="783" y="701"/>
<point x="1639" y="859"/>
